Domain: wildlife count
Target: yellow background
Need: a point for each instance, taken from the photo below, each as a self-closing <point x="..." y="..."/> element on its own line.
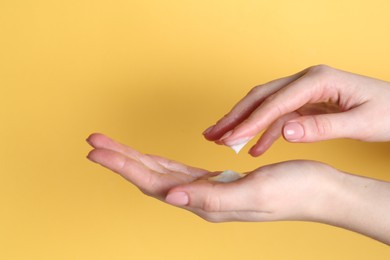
<point x="154" y="75"/>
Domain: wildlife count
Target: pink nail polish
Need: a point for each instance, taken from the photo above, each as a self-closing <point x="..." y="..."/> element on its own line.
<point x="293" y="131"/>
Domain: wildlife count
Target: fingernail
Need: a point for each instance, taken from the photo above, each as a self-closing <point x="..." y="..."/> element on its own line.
<point x="226" y="135"/>
<point x="293" y="131"/>
<point x="254" y="151"/>
<point x="208" y="130"/>
<point x="177" y="198"/>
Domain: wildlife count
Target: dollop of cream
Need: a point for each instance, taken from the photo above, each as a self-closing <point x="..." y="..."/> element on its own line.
<point x="238" y="145"/>
<point x="227" y="176"/>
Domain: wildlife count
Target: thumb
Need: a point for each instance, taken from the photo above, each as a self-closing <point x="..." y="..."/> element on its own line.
<point x="320" y="127"/>
<point x="212" y="197"/>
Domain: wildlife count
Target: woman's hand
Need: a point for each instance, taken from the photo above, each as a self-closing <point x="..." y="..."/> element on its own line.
<point x="290" y="191"/>
<point x="294" y="190"/>
<point x="153" y="175"/>
<point x="316" y="104"/>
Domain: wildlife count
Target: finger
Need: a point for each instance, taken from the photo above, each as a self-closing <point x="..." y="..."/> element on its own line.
<point x="324" y="127"/>
<point x="154" y="162"/>
<point x="101" y="141"/>
<point x="178" y="167"/>
<point x="247" y="105"/>
<point x="307" y="89"/>
<point x="98" y="140"/>
<point x="275" y="130"/>
<point x="150" y="182"/>
<point x="214" y="197"/>
<point x="271" y="135"/>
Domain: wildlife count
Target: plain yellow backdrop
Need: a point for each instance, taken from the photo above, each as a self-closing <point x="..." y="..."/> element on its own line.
<point x="154" y="75"/>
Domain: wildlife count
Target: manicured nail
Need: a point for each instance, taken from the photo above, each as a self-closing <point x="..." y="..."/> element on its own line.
<point x="293" y="131"/>
<point x="225" y="136"/>
<point x="254" y="151"/>
<point x="179" y="198"/>
<point x="208" y="130"/>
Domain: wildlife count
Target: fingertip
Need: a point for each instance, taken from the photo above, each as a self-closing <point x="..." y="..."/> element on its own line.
<point x="177" y="198"/>
<point x="91" y="155"/>
<point x="262" y="145"/>
<point x="98" y="155"/>
<point x="93" y="138"/>
<point x="212" y="136"/>
<point x="90" y="138"/>
<point x="293" y="131"/>
<point x="214" y="133"/>
<point x="93" y="135"/>
<point x="98" y="140"/>
<point x="208" y="130"/>
<point x="110" y="159"/>
<point x="255" y="151"/>
<point x="209" y="137"/>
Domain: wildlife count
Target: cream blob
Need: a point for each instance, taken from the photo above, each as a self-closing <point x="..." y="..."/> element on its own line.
<point x="239" y="144"/>
<point x="227" y="176"/>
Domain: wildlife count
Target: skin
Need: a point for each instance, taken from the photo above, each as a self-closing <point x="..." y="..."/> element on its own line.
<point x="327" y="104"/>
<point x="324" y="101"/>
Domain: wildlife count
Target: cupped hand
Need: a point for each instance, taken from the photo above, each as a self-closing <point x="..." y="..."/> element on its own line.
<point x="318" y="103"/>
<point x="292" y="190"/>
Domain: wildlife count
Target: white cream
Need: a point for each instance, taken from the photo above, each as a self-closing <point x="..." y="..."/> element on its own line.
<point x="227" y="176"/>
<point x="239" y="144"/>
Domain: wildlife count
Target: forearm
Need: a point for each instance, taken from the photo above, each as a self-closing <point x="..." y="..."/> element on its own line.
<point x="359" y="204"/>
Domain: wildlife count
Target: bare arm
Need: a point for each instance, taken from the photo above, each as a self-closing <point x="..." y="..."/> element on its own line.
<point x="294" y="190"/>
<point x="360" y="204"/>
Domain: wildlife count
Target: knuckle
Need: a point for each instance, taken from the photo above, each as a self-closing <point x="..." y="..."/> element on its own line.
<point x="124" y="166"/>
<point x="323" y="126"/>
<point x="255" y="90"/>
<point x="268" y="101"/>
<point x="211" y="204"/>
<point x="279" y="107"/>
<point x="151" y="185"/>
<point x="149" y="188"/>
<point x="320" y="68"/>
<point x="321" y="71"/>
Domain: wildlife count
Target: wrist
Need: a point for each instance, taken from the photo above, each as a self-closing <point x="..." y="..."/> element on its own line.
<point x="355" y="203"/>
<point x="327" y="196"/>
